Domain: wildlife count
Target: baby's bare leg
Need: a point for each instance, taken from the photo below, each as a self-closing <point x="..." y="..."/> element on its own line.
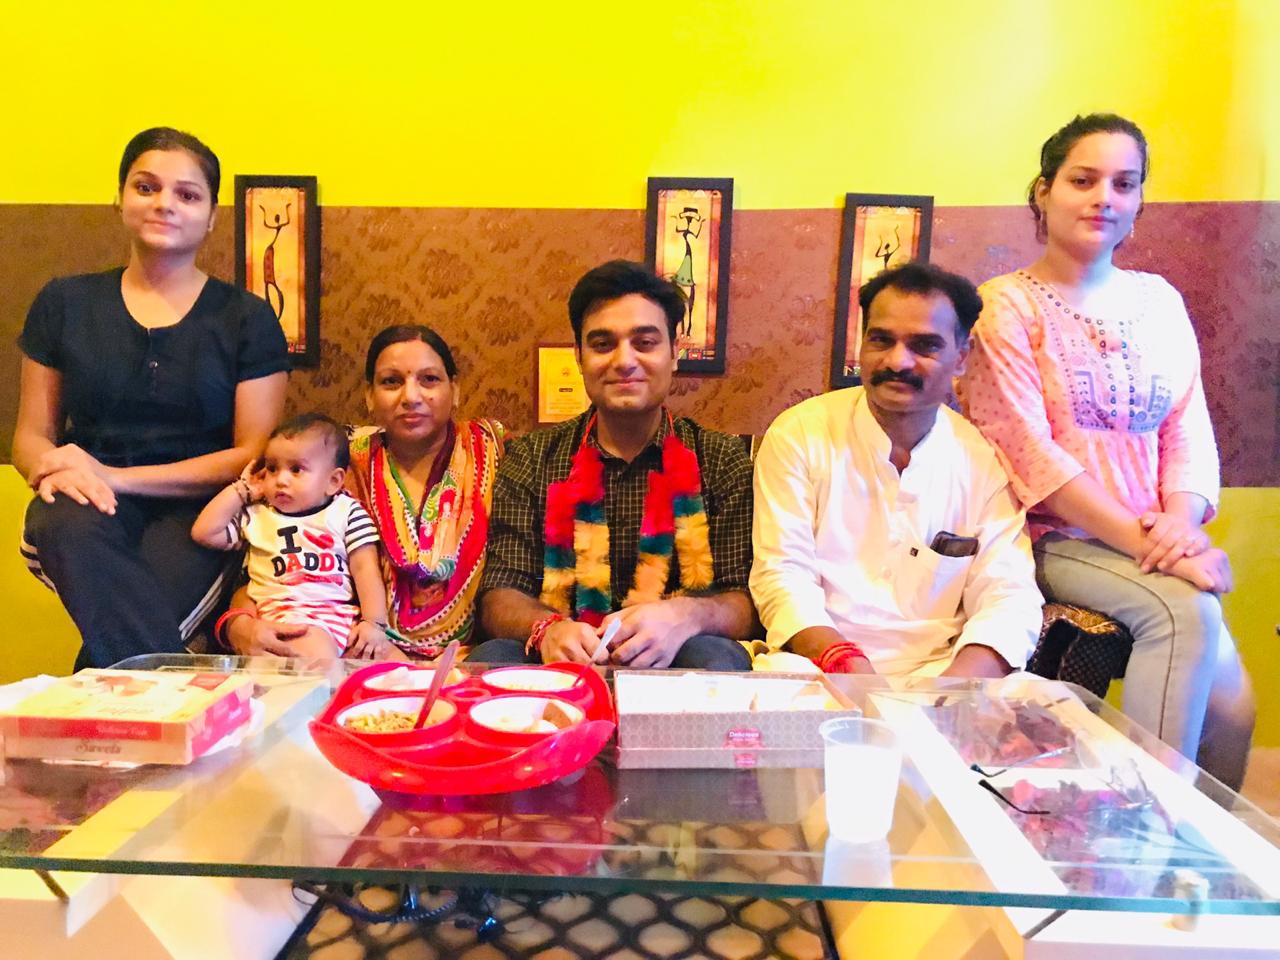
<point x="317" y="642"/>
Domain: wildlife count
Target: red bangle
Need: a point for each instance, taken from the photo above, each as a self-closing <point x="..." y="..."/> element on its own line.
<point x="219" y="628"/>
<point x="835" y="657"/>
<point x="539" y="630"/>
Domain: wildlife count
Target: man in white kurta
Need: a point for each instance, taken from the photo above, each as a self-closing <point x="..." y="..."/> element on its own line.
<point x="853" y="487"/>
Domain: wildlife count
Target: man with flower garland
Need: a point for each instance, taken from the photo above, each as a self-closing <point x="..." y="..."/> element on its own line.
<point x="624" y="522"/>
<point x="887" y="538"/>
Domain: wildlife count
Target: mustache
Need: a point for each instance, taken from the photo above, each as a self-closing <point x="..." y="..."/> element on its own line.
<point x="892" y="376"/>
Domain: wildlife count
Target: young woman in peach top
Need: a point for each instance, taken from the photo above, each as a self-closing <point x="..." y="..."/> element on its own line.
<point x="1086" y="379"/>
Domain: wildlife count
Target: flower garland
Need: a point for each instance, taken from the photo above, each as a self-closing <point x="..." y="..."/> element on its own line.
<point x="409" y="537"/>
<point x="431" y="559"/>
<point x="576" y="535"/>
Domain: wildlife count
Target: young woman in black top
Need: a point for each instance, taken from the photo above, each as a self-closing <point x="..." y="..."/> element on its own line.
<point x="144" y="390"/>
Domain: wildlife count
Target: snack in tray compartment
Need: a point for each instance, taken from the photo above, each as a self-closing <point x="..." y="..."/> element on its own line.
<point x="526" y="714"/>
<point x="530" y="679"/>
<point x="405" y="678"/>
<point x="384" y="721"/>
<point x="514" y="725"/>
<point x="558" y="716"/>
<point x="383" y="715"/>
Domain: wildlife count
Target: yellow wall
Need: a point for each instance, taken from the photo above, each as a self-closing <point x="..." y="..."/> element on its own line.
<point x="575" y="103"/>
<point x="37" y="635"/>
<point x="1247" y="528"/>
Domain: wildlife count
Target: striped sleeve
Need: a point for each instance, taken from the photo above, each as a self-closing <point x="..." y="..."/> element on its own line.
<point x="360" y="529"/>
<point x="237" y="527"/>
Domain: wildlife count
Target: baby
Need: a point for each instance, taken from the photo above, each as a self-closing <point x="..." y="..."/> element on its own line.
<point x="309" y="543"/>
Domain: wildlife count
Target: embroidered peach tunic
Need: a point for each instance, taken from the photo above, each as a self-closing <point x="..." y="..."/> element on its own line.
<point x="1059" y="393"/>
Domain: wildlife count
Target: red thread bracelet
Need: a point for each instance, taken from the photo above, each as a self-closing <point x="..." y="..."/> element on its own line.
<point x="219" y="628"/>
<point x="538" y="631"/>
<point x="837" y="656"/>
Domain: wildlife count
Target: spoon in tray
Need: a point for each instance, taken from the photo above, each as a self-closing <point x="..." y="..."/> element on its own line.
<point x="442" y="668"/>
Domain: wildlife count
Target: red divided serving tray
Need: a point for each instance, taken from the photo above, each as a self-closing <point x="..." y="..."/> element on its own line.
<point x="457" y="755"/>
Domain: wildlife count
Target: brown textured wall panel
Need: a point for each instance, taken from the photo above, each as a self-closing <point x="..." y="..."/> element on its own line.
<point x="495" y="282"/>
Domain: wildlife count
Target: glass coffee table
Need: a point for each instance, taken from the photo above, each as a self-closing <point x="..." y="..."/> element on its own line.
<point x="1018" y="794"/>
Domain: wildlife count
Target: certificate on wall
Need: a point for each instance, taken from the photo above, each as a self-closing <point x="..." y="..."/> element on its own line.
<point x="559" y="391"/>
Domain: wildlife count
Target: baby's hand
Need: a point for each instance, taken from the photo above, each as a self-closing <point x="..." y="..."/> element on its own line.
<point x="367" y="641"/>
<point x="253" y="480"/>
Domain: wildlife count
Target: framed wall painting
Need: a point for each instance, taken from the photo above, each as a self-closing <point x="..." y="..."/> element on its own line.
<point x="558" y="391"/>
<point x="879" y="231"/>
<point x="278" y="255"/>
<point x="688" y="226"/>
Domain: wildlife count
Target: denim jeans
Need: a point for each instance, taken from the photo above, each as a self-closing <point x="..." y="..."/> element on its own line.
<point x="1179" y="639"/>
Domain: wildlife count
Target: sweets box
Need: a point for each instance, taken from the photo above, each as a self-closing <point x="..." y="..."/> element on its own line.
<point x="127" y="715"/>
<point x="723" y="720"/>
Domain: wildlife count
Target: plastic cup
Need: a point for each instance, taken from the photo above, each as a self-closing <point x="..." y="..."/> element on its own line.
<point x="862" y="761"/>
<point x="846" y="864"/>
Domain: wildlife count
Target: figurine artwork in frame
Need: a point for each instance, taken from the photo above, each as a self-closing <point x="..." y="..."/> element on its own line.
<point x="278" y="255"/>
<point x="880" y="231"/>
<point x="687" y="239"/>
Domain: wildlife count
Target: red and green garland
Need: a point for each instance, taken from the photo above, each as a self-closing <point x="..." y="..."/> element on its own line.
<point x="576" y="573"/>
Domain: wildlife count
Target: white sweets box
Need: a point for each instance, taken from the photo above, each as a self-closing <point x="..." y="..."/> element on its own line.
<point x="133" y="716"/>
<point x="723" y="720"/>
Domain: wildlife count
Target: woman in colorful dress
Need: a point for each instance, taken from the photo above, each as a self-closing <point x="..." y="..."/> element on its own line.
<point x="426" y="479"/>
<point x="1086" y="379"/>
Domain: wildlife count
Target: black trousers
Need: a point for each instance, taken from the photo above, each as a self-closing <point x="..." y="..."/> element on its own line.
<point x="133" y="582"/>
